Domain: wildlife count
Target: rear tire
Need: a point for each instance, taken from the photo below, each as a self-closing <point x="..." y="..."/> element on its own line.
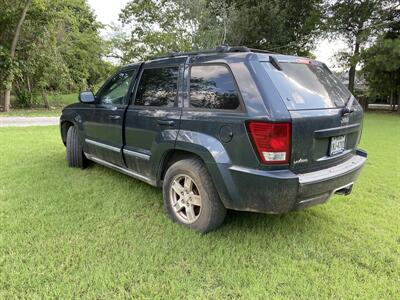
<point x="75" y="156"/>
<point x="190" y="197"/>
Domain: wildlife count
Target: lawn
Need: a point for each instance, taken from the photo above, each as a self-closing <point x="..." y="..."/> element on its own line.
<point x="68" y="233"/>
<point x="57" y="102"/>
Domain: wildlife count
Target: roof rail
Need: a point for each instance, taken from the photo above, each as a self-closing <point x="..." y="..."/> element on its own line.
<point x="219" y="49"/>
<point x="261" y="51"/>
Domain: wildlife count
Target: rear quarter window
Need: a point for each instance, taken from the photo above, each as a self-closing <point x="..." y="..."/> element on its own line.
<point x="308" y="86"/>
<point x="213" y="87"/>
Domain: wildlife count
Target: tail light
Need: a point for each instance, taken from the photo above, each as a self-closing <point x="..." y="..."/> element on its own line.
<point x="271" y="140"/>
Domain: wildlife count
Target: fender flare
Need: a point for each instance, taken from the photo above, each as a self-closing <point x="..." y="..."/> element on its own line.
<point x="73" y="118"/>
<point x="215" y="158"/>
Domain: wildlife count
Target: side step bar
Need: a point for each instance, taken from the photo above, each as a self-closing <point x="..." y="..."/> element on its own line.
<point x="121" y="169"/>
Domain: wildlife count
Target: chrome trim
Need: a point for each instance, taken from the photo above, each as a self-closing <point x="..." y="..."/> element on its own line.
<point x="120" y="169"/>
<point x="345" y="129"/>
<point x="343" y="187"/>
<point x="350" y="165"/>
<point x="105" y="146"/>
<point x="318" y="199"/>
<point x="137" y="154"/>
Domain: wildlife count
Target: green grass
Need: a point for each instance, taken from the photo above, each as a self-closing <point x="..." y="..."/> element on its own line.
<point x="57" y="102"/>
<point x="95" y="233"/>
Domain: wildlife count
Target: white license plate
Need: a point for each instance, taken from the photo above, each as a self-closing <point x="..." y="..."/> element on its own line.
<point x="337" y="144"/>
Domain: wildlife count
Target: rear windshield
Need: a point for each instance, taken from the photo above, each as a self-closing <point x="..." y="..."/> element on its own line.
<point x="308" y="86"/>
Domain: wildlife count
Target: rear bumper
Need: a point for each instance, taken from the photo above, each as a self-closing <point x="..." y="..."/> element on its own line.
<point x="284" y="191"/>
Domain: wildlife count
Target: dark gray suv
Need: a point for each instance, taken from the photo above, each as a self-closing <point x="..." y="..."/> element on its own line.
<point x="230" y="128"/>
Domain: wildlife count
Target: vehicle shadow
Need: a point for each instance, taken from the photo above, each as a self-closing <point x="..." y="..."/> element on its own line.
<point x="294" y="222"/>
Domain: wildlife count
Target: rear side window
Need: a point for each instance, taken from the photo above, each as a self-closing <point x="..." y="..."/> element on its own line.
<point x="308" y="86"/>
<point x="158" y="87"/>
<point x="213" y="87"/>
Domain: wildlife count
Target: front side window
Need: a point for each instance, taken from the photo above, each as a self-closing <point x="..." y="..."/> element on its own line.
<point x="117" y="88"/>
<point x="158" y="87"/>
<point x="213" y="87"/>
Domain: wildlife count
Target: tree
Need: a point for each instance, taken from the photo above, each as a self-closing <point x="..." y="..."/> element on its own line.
<point x="359" y="22"/>
<point x="158" y="27"/>
<point x="161" y="26"/>
<point x="287" y="26"/>
<point x="382" y="66"/>
<point x="59" y="48"/>
<point x="16" y="34"/>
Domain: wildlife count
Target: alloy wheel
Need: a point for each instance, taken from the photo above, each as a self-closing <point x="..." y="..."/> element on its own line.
<point x="185" y="198"/>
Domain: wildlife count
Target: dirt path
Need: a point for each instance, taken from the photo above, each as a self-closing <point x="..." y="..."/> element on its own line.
<point x="28" y="121"/>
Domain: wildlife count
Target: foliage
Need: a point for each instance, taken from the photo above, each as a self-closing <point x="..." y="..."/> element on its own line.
<point x="382" y="66"/>
<point x="34" y="108"/>
<point x="60" y="48"/>
<point x="358" y="22"/>
<point x="288" y="26"/>
<point x="24" y="99"/>
<point x="7" y="63"/>
<point x="158" y="27"/>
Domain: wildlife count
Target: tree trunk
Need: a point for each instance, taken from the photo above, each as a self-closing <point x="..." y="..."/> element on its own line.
<point x="7" y="99"/>
<point x="45" y="99"/>
<point x="363" y="100"/>
<point x="398" y="102"/>
<point x="10" y="79"/>
<point x="391" y="100"/>
<point x="28" y="84"/>
<point x="1" y="98"/>
<point x="352" y="75"/>
<point x="352" y="70"/>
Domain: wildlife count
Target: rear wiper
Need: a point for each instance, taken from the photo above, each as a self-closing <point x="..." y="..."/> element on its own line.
<point x="348" y="109"/>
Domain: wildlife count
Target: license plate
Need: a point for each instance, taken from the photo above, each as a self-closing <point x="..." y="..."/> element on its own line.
<point x="337" y="144"/>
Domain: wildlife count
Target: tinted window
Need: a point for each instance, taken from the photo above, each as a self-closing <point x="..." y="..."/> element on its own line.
<point x="308" y="86"/>
<point x="116" y="89"/>
<point x="212" y="87"/>
<point x="158" y="87"/>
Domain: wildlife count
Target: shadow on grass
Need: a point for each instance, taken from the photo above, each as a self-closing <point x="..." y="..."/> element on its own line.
<point x="299" y="221"/>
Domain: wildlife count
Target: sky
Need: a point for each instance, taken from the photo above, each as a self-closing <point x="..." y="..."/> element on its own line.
<point x="107" y="12"/>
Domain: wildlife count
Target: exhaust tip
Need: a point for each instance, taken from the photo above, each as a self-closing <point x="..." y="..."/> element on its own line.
<point x="344" y="190"/>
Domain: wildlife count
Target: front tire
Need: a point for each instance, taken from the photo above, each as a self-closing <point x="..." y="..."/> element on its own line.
<point x="190" y="197"/>
<point x="75" y="156"/>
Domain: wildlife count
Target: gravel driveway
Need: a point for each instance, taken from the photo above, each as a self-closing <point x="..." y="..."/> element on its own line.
<point x="28" y="121"/>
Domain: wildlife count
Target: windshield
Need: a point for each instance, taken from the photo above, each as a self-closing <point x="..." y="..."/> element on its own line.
<point x="308" y="85"/>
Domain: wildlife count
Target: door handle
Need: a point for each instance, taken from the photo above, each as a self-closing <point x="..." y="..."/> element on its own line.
<point x="114" y="117"/>
<point x="165" y="122"/>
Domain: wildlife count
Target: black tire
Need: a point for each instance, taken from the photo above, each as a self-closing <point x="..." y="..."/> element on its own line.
<point x="75" y="156"/>
<point x="211" y="213"/>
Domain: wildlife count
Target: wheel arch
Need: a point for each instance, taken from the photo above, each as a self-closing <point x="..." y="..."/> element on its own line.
<point x="65" y="125"/>
<point x="219" y="176"/>
<point x="172" y="156"/>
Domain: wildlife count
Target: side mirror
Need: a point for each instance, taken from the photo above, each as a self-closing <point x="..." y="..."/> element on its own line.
<point x="86" y="97"/>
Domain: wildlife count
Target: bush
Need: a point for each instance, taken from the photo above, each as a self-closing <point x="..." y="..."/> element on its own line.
<point x="24" y="99"/>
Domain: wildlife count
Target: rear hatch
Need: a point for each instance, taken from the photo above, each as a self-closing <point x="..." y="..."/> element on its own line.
<point x="322" y="134"/>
